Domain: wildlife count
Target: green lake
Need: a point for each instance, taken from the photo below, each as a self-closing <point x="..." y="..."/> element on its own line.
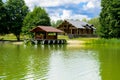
<point x="59" y="62"/>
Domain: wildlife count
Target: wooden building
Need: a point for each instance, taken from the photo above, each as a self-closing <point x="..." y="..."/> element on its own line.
<point x="76" y="27"/>
<point x="45" y="32"/>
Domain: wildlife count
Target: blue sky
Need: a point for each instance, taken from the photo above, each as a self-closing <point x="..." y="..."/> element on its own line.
<point x="68" y="9"/>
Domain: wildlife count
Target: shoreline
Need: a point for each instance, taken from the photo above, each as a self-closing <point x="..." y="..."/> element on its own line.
<point x="75" y="42"/>
<point x="69" y="42"/>
<point x="12" y="41"/>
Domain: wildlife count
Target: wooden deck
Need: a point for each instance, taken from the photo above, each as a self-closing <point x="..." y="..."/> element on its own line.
<point x="48" y="41"/>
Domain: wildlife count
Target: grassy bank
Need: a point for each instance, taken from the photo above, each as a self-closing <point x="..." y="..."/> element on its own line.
<point x="85" y="40"/>
<point x="93" y="40"/>
<point x="74" y="40"/>
<point x="10" y="37"/>
<point x="104" y="41"/>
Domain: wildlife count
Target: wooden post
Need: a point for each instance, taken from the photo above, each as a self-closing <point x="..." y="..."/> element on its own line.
<point x="45" y="36"/>
<point x="77" y="31"/>
<point x="56" y="35"/>
<point x="71" y="31"/>
<point x="35" y="35"/>
<point x="67" y="29"/>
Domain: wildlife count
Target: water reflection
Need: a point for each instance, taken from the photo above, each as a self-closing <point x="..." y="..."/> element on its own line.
<point x="109" y="62"/>
<point x="77" y="65"/>
<point x="59" y="62"/>
<point x="19" y="63"/>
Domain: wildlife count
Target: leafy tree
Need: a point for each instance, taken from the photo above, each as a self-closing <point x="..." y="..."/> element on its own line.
<point x="96" y="23"/>
<point x="1" y="7"/>
<point x="110" y="19"/>
<point x="16" y="10"/>
<point x="1" y="16"/>
<point x="3" y="28"/>
<point x="85" y="20"/>
<point x="57" y="23"/>
<point x="115" y="19"/>
<point x="53" y="23"/>
<point x="35" y="18"/>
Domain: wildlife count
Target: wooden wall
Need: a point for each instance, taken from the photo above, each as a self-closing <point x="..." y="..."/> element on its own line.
<point x="69" y="29"/>
<point x="45" y="36"/>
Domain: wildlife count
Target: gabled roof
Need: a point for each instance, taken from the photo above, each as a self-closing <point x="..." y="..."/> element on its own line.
<point x="80" y="24"/>
<point x="46" y="29"/>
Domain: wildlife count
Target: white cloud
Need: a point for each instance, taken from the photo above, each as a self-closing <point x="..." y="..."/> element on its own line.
<point x="67" y="14"/>
<point x="60" y="13"/>
<point x="92" y="4"/>
<point x="51" y="3"/>
<point x="80" y="17"/>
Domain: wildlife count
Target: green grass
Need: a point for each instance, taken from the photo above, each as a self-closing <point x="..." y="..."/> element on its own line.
<point x="104" y="41"/>
<point x="63" y="37"/>
<point x="10" y="37"/>
<point x="83" y="39"/>
<point x="94" y="40"/>
<point x="86" y="40"/>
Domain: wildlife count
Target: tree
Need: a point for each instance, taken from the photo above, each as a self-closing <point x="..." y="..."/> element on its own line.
<point x="1" y="16"/>
<point x="115" y="19"/>
<point x="57" y="23"/>
<point x="96" y="23"/>
<point x="1" y="7"/>
<point x="17" y="10"/>
<point x="85" y="20"/>
<point x="35" y="18"/>
<point x="110" y="19"/>
<point x="3" y="28"/>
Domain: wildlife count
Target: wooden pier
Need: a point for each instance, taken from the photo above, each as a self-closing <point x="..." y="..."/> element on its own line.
<point x="48" y="41"/>
<point x="46" y="35"/>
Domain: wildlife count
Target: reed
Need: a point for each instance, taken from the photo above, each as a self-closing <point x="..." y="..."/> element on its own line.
<point x="104" y="41"/>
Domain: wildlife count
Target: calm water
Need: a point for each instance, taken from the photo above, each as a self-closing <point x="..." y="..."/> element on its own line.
<point x="63" y="62"/>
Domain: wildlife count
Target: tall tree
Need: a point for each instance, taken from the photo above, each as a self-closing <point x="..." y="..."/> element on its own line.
<point x="37" y="17"/>
<point x="3" y="28"/>
<point x="17" y="10"/>
<point x="1" y="15"/>
<point x="1" y="6"/>
<point x="110" y="19"/>
<point x="115" y="19"/>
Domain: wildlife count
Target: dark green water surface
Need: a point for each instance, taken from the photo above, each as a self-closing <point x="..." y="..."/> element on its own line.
<point x="59" y="62"/>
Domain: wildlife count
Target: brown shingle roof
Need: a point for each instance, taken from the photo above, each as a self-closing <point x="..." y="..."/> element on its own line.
<point x="46" y="29"/>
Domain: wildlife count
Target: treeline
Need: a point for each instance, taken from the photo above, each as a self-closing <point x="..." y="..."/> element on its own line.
<point x="15" y="17"/>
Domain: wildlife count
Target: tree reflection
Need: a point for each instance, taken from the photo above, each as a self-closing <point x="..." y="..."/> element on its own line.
<point x="109" y="62"/>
